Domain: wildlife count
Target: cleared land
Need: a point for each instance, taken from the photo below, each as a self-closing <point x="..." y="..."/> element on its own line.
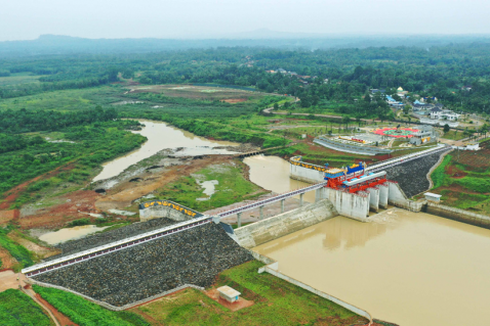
<point x="463" y="179"/>
<point x="18" y="79"/>
<point x="204" y="93"/>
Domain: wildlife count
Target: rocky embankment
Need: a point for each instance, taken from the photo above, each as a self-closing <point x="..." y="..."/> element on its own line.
<point x="100" y="239"/>
<point x="195" y="256"/>
<point x="412" y="176"/>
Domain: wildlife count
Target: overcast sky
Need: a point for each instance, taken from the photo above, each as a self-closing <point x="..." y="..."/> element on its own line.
<point x="27" y="19"/>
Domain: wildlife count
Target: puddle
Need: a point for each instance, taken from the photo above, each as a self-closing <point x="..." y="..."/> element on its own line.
<point x="73" y="233"/>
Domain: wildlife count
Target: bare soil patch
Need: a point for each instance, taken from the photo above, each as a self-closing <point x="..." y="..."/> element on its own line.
<point x="456" y="173"/>
<point x="474" y="160"/>
<point x="234" y="100"/>
<point x="73" y="206"/>
<point x="8" y="261"/>
<point x="199" y="92"/>
<point x="8" y="215"/>
<point x="124" y="194"/>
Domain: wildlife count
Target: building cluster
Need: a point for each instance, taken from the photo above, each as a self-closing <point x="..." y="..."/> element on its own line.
<point x="424" y="135"/>
<point x="303" y="79"/>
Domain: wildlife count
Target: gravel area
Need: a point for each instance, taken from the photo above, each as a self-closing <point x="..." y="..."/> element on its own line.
<point x="195" y="256"/>
<point x="100" y="239"/>
<point x="412" y="176"/>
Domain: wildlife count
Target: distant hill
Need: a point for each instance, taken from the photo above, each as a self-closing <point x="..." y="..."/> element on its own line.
<point x="59" y="44"/>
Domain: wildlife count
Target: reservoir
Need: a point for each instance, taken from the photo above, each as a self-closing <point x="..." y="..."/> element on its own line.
<point x="413" y="269"/>
<point x="161" y="136"/>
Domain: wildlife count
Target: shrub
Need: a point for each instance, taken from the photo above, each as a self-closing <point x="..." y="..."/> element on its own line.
<point x="80" y="222"/>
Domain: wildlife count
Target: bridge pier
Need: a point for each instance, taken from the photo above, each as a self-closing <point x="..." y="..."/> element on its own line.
<point x="261" y="212"/>
<point x="318" y="195"/>
<point x="282" y="205"/>
<point x="301" y="199"/>
<point x="239" y="219"/>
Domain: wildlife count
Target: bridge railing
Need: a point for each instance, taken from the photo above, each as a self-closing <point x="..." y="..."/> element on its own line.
<point x="271" y="199"/>
<point x="406" y="158"/>
<point x="112" y="247"/>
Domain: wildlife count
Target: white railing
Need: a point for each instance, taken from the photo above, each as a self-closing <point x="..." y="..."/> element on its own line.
<point x="112" y="247"/>
<point x="406" y="158"/>
<point x="271" y="200"/>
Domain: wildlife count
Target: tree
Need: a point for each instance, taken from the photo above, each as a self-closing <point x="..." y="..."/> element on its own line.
<point x="276" y="106"/>
<point x="406" y="109"/>
<point x="446" y="128"/>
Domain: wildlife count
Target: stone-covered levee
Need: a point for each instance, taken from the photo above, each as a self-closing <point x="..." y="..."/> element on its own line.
<point x="100" y="239"/>
<point x="412" y="176"/>
<point x="195" y="256"/>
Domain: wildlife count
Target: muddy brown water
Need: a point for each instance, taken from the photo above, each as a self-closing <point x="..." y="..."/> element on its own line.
<point x="272" y="173"/>
<point x="66" y="234"/>
<point x="162" y="136"/>
<point x="413" y="269"/>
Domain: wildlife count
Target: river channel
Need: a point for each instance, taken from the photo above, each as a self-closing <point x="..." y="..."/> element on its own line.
<point x="162" y="136"/>
<point x="272" y="173"/>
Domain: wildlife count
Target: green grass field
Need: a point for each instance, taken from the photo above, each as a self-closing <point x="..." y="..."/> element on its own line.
<point x="276" y="302"/>
<point x="454" y="135"/>
<point x="231" y="187"/>
<point x="65" y="100"/>
<point x="17" y="309"/>
<point x="19" y="79"/>
<point x="86" y="313"/>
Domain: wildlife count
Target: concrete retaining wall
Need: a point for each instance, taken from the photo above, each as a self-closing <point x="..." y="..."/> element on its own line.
<point x="272" y="267"/>
<point x="109" y="306"/>
<point x="458" y="215"/>
<point x="351" y="148"/>
<point x="355" y="206"/>
<point x="397" y="197"/>
<point x="280" y="225"/>
<point x="166" y="208"/>
<point x="305" y="174"/>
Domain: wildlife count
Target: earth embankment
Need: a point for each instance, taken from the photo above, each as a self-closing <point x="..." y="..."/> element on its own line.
<point x="412" y="176"/>
<point x="195" y="256"/>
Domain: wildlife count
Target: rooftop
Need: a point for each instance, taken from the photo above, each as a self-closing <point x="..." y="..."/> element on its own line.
<point x="228" y="291"/>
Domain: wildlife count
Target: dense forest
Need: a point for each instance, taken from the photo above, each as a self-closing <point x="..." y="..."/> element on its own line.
<point x="338" y="75"/>
<point x="71" y="93"/>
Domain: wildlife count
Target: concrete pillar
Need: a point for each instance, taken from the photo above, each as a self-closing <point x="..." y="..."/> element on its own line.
<point x="373" y="198"/>
<point x="318" y="195"/>
<point x="239" y="219"/>
<point x="261" y="212"/>
<point x="383" y="195"/>
<point x="301" y="199"/>
<point x="282" y="205"/>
